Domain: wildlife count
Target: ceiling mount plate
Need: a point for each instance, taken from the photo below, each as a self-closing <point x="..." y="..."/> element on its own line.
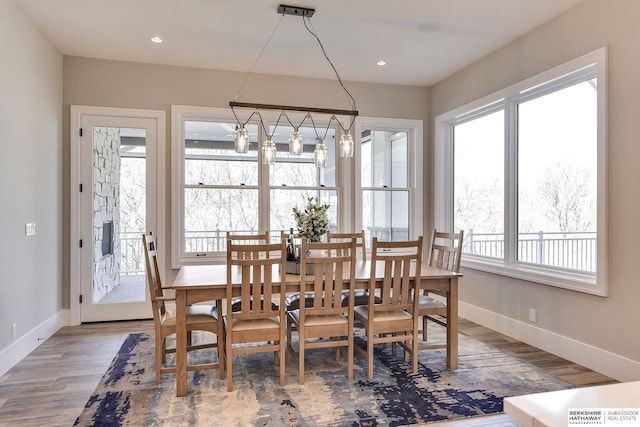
<point x="295" y="10"/>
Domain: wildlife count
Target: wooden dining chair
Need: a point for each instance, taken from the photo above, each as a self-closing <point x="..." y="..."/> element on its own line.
<point x="293" y="300"/>
<point x="345" y="237"/>
<point x="201" y="317"/>
<point x="251" y="241"/>
<point x="445" y="252"/>
<point x="261" y="324"/>
<point x="327" y="322"/>
<point x="361" y="297"/>
<point x="395" y="319"/>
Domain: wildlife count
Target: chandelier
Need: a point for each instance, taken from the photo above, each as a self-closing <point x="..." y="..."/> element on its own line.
<point x="320" y="154"/>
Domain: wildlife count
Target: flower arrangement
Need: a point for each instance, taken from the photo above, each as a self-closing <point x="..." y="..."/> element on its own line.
<point x="313" y="221"/>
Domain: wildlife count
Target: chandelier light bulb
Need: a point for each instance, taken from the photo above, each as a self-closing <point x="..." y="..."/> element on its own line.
<point x="268" y="151"/>
<point x="242" y="140"/>
<point x="320" y="154"/>
<point x="346" y="145"/>
<point x="295" y="143"/>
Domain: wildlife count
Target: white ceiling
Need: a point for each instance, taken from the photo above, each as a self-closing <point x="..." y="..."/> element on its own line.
<point x="422" y="41"/>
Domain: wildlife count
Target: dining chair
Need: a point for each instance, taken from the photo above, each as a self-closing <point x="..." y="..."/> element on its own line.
<point x="200" y="317"/>
<point x="445" y="252"/>
<point x="251" y="241"/>
<point x="260" y="324"/>
<point x="395" y="318"/>
<point x="361" y="297"/>
<point x="345" y="237"/>
<point x="327" y="322"/>
<point x="293" y="300"/>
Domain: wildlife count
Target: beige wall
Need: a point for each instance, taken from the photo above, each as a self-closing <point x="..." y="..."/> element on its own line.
<point x="135" y="85"/>
<point x="30" y="175"/>
<point x="34" y="165"/>
<point x="611" y="324"/>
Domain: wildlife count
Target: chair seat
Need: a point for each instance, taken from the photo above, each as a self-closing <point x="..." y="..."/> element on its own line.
<point x="195" y="314"/>
<point x="426" y="302"/>
<point x="239" y="325"/>
<point x="381" y="316"/>
<point x="293" y="301"/>
<point x="359" y="298"/>
<point x="320" y="319"/>
<point x="236" y="304"/>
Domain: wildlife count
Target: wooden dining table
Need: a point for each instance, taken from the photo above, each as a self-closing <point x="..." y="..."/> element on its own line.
<point x="197" y="283"/>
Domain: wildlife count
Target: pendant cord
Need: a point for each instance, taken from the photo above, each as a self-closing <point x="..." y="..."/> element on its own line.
<point x="324" y="52"/>
<point x="235" y="98"/>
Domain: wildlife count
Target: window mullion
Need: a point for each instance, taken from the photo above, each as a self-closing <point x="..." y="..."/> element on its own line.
<point x="511" y="183"/>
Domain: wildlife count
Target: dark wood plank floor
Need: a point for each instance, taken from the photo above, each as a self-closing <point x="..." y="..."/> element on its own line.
<point x="51" y="385"/>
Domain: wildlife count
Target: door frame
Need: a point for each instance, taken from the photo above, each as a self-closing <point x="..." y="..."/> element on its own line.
<point x="76" y="114"/>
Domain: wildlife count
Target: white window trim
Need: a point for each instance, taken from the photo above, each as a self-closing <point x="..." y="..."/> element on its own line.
<point x="443" y="194"/>
<point x="414" y="130"/>
<point x="180" y="113"/>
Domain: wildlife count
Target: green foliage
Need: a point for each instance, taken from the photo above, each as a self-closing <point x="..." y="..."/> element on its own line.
<point x="313" y="221"/>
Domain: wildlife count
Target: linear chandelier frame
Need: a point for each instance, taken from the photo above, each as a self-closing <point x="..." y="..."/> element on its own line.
<point x="295" y="141"/>
<point x="274" y="107"/>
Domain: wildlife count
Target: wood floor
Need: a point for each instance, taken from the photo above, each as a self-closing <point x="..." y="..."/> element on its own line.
<point x="51" y="385"/>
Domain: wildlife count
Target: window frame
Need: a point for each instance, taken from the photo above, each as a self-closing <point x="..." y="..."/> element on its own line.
<point x="593" y="64"/>
<point x="415" y="183"/>
<point x="179" y="115"/>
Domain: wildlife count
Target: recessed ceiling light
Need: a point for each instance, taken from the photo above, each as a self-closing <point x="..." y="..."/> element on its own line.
<point x="381" y="62"/>
<point x="156" y="39"/>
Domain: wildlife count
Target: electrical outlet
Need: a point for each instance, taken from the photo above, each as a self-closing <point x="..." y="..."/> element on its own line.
<point x="532" y="315"/>
<point x="14" y="331"/>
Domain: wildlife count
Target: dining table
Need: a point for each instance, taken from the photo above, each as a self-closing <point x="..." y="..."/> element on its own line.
<point x="197" y="283"/>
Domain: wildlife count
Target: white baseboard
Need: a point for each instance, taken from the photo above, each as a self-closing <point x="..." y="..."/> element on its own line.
<point x="599" y="360"/>
<point x="18" y="350"/>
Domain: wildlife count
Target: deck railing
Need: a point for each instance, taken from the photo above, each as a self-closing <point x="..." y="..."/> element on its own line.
<point x="570" y="250"/>
<point x="575" y="251"/>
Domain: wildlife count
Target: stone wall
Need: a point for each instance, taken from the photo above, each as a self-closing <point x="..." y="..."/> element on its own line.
<point x="106" y="209"/>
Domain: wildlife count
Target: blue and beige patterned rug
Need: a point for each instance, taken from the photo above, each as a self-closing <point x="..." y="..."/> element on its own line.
<point x="128" y="395"/>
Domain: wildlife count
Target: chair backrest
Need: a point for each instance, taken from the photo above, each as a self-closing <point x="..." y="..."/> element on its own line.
<point x="254" y="277"/>
<point x="153" y="276"/>
<point x="400" y="262"/>
<point x="332" y="262"/>
<point x="341" y="237"/>
<point x="248" y="239"/>
<point x="446" y="250"/>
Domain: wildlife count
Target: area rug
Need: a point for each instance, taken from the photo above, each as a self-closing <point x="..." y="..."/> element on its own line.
<point x="128" y="394"/>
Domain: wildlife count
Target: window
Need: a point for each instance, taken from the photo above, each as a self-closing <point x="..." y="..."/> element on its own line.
<point x="294" y="179"/>
<point x="389" y="171"/>
<point x="523" y="173"/>
<point x="215" y="189"/>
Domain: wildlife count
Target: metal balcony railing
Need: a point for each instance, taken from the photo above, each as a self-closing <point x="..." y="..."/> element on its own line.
<point x="575" y="250"/>
<point x="570" y="250"/>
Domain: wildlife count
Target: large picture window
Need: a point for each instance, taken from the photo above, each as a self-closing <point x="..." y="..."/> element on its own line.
<point x="215" y="189"/>
<point x="522" y="173"/>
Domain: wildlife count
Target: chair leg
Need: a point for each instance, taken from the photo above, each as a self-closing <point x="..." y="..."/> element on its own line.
<point x="283" y="357"/>
<point x="350" y="358"/>
<point x="229" y="364"/>
<point x="300" y="356"/>
<point x="424" y="328"/>
<point x="414" y="352"/>
<point x="221" y="351"/>
<point x="159" y="358"/>
<point x="370" y="354"/>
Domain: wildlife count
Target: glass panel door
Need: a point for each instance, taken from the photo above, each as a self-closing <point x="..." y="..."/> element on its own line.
<point x="114" y="218"/>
